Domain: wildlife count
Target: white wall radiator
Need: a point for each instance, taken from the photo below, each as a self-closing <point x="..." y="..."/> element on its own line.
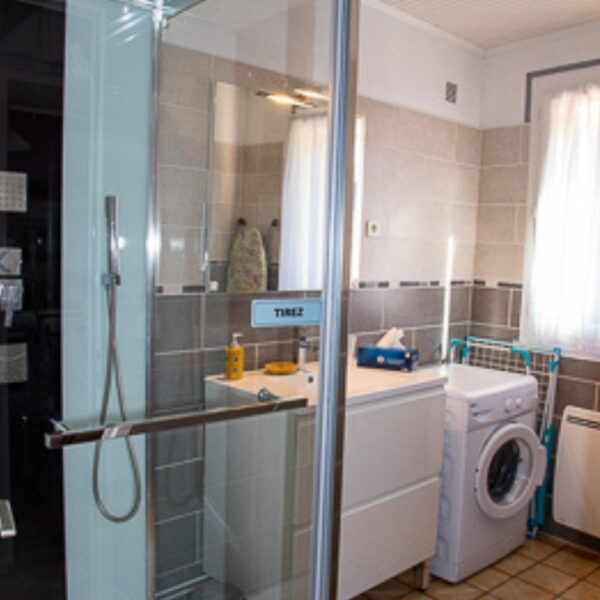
<point x="576" y="494"/>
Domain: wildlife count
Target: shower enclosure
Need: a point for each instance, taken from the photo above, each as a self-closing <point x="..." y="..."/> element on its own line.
<point x="177" y="485"/>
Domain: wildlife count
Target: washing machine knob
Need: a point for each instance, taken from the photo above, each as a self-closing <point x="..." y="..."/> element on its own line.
<point x="519" y="402"/>
<point x="509" y="405"/>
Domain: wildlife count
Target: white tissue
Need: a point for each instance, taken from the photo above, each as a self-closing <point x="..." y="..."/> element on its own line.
<point x="392" y="339"/>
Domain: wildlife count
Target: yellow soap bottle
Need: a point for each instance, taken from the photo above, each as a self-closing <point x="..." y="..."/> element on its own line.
<point x="234" y="367"/>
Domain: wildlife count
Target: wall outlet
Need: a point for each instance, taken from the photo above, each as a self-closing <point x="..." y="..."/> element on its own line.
<point x="373" y="229"/>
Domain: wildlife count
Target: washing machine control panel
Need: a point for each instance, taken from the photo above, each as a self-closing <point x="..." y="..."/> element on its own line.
<point x="490" y="410"/>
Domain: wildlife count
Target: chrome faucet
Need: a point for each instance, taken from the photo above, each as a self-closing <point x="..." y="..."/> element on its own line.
<point x="302" y="347"/>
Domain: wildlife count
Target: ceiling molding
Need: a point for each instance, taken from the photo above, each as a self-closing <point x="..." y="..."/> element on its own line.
<point x="423" y="26"/>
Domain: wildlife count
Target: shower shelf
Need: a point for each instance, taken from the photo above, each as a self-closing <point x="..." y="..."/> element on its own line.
<point x="63" y="436"/>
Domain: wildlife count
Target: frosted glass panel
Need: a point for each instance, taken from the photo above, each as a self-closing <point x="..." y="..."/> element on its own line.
<point x="107" y="147"/>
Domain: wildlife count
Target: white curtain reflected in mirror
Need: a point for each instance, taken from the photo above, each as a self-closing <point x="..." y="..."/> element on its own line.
<point x="268" y="204"/>
<point x="304" y="203"/>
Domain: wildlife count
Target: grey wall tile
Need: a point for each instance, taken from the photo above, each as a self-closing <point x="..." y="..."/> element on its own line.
<point x="169" y="447"/>
<point x="508" y="334"/>
<point x="515" y="310"/>
<point x="268" y="352"/>
<point x="228" y="313"/>
<point x="365" y="312"/>
<point x="577" y="393"/>
<point x="413" y="307"/>
<point x="581" y="369"/>
<point x="178" y="489"/>
<point x="215" y="359"/>
<point x="460" y="304"/>
<point x="178" y="322"/>
<point x="177" y="381"/>
<point x="490" y="305"/>
<point x="177" y="577"/>
<point x="177" y="543"/>
<point x="429" y="343"/>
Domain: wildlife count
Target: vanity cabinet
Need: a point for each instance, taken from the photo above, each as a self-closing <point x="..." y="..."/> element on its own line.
<point x="258" y="507"/>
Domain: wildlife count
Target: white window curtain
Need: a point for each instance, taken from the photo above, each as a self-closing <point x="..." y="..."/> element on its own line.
<point x="562" y="291"/>
<point x="303" y="211"/>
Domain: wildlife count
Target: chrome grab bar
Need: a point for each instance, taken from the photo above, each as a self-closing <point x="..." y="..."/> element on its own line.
<point x="63" y="436"/>
<point x="7" y="521"/>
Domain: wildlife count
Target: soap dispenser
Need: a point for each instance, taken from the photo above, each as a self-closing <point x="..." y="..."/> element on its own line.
<point x="234" y="368"/>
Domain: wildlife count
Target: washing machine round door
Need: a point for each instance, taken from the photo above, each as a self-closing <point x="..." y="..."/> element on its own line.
<point x="512" y="465"/>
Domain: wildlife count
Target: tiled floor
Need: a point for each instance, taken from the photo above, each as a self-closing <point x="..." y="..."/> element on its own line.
<point x="540" y="570"/>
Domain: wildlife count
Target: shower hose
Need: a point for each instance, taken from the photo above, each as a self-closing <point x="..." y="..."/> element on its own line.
<point x="113" y="367"/>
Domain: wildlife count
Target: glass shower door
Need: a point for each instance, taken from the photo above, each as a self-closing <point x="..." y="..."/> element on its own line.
<point x="180" y="482"/>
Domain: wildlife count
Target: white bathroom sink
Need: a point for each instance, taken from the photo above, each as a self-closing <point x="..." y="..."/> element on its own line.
<point x="362" y="383"/>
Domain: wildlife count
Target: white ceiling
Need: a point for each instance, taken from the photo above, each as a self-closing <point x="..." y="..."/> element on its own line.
<point x="491" y="23"/>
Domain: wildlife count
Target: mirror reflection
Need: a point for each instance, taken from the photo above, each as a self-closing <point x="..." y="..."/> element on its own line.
<point x="267" y="213"/>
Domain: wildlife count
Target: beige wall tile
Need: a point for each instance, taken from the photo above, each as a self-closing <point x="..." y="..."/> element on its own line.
<point x="468" y="145"/>
<point x="184" y="77"/>
<point x="520" y="224"/>
<point x="226" y="188"/>
<point x="183" y="136"/>
<point x="496" y="224"/>
<point x="425" y="134"/>
<point x="501" y="146"/>
<point x="525" y="137"/>
<point x="503" y="185"/>
<point x="464" y="258"/>
<point x="229" y="158"/>
<point x="499" y="262"/>
<point x="376" y="260"/>
<point x="391" y="174"/>
<point x="182" y="194"/>
<point x="181" y="255"/>
<point x="462" y="222"/>
<point x="380" y="118"/>
<point x="443" y="180"/>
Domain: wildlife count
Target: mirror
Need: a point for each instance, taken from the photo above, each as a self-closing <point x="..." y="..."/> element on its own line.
<point x="267" y="207"/>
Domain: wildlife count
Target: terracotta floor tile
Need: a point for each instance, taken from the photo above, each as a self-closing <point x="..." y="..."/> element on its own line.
<point x="583" y="591"/>
<point x="488" y="579"/>
<point x="515" y="589"/>
<point x="548" y="578"/>
<point x="551" y="540"/>
<point x="416" y="596"/>
<point x="594" y="577"/>
<point x="536" y="549"/>
<point x="440" y="590"/>
<point x="514" y="563"/>
<point x="572" y="561"/>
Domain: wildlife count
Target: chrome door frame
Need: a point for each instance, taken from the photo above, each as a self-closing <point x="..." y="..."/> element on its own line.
<point x="329" y="445"/>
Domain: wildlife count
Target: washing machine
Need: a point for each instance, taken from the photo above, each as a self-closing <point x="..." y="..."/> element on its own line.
<point x="493" y="462"/>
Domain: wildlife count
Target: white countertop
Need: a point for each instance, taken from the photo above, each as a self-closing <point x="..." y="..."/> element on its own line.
<point x="362" y="383"/>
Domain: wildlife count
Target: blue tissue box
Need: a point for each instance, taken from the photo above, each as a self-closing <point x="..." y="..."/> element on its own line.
<point x="406" y="359"/>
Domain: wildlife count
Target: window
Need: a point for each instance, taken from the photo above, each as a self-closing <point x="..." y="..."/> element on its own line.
<point x="562" y="295"/>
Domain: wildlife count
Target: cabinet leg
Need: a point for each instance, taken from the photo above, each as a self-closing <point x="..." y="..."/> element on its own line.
<point x="423" y="575"/>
